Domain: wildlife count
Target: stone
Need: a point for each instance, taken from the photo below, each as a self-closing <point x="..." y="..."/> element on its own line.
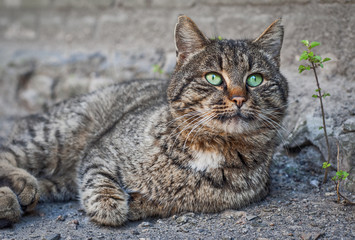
<point x="56" y="236"/>
<point x="232" y="214"/>
<point x="145" y="224"/>
<point x="181" y="220"/>
<point x="251" y="217"/>
<point x="314" y="183"/>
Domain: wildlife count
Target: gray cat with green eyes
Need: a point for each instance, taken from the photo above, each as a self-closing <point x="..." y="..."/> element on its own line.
<point x="202" y="142"/>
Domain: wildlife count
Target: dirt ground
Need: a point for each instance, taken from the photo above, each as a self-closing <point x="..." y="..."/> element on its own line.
<point x="298" y="207"/>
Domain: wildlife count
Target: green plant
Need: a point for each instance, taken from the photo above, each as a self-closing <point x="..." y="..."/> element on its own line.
<point x="313" y="62"/>
<point x="217" y="38"/>
<point x="157" y="69"/>
<point x="340" y="176"/>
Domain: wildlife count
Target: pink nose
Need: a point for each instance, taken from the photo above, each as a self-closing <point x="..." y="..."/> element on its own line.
<point x="239" y="101"/>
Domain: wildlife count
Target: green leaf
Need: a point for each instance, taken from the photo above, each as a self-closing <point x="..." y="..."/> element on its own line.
<point x="326" y="95"/>
<point x="314" y="44"/>
<point x="304" y="56"/>
<point x="308" y="68"/>
<point x="305" y="42"/>
<point x="326" y="59"/>
<point x="317" y="59"/>
<point x="320" y="128"/>
<point x="310" y="54"/>
<point x="220" y="38"/>
<point x="317" y="90"/>
<point x="326" y="165"/>
<point x="321" y="65"/>
<point x="334" y="178"/>
<point x="314" y="96"/>
<point x="157" y="69"/>
<point x="301" y="68"/>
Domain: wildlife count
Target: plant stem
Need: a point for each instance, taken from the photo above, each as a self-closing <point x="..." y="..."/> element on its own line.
<point x="323" y="118"/>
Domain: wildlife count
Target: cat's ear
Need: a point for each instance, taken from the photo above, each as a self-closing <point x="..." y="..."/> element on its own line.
<point x="271" y="40"/>
<point x="188" y="38"/>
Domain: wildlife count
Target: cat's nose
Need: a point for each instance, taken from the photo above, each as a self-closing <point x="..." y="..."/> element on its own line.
<point x="239" y="100"/>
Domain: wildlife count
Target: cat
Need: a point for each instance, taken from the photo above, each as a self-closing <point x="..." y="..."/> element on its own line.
<point x="202" y="142"/>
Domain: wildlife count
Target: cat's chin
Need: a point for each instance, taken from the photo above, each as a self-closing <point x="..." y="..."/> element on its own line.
<point x="237" y="123"/>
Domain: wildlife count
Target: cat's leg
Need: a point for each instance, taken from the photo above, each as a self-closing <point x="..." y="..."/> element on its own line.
<point x="23" y="184"/>
<point x="18" y="188"/>
<point x="101" y="194"/>
<point x="58" y="188"/>
<point x="140" y="207"/>
<point x="10" y="209"/>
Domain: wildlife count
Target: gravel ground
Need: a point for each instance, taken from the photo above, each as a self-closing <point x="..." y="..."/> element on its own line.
<point x="296" y="208"/>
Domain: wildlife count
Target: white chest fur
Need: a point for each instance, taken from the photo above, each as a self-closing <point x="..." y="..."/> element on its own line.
<point x="206" y="161"/>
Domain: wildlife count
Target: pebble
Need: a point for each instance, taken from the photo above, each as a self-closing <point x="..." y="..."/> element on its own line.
<point x="190" y="214"/>
<point x="328" y="194"/>
<point x="74" y="223"/>
<point x="314" y="183"/>
<point x="251" y="217"/>
<point x="184" y="230"/>
<point x="229" y="214"/>
<point x="145" y="224"/>
<point x="52" y="237"/>
<point x="60" y="218"/>
<point x="182" y="219"/>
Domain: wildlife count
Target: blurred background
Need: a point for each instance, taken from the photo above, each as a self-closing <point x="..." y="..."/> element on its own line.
<point x="51" y="50"/>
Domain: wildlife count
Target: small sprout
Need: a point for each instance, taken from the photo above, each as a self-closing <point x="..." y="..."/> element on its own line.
<point x="157" y="69"/>
<point x="218" y="38"/>
<point x="326" y="95"/>
<point x="326" y="59"/>
<point x="317" y="90"/>
<point x="340" y="175"/>
<point x="320" y="128"/>
<point x="325" y="164"/>
<point x="314" y="96"/>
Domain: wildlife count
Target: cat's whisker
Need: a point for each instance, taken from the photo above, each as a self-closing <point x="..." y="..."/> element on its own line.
<point x="275" y="126"/>
<point x="187" y="126"/>
<point x="201" y="126"/>
<point x="201" y="122"/>
<point x="195" y="113"/>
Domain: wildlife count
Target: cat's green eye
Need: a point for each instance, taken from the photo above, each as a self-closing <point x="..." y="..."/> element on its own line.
<point x="214" y="78"/>
<point x="254" y="80"/>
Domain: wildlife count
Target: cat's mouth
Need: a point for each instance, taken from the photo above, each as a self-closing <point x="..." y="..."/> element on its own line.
<point x="237" y="115"/>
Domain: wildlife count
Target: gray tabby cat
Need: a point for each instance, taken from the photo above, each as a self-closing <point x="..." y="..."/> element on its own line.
<point x="131" y="151"/>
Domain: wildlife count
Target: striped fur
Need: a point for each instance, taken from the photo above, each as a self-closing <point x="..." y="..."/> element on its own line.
<point x="131" y="151"/>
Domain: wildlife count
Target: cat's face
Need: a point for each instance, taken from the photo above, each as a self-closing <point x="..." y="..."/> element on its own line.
<point x="228" y="85"/>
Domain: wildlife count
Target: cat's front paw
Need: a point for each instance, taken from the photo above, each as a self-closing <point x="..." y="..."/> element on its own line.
<point x="25" y="186"/>
<point x="10" y="210"/>
<point x="21" y="183"/>
<point x="109" y="207"/>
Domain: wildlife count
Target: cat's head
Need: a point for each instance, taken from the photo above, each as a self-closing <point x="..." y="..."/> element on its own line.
<point x="233" y="86"/>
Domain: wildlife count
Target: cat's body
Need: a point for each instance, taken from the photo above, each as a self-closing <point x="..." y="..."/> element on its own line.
<point x="130" y="150"/>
